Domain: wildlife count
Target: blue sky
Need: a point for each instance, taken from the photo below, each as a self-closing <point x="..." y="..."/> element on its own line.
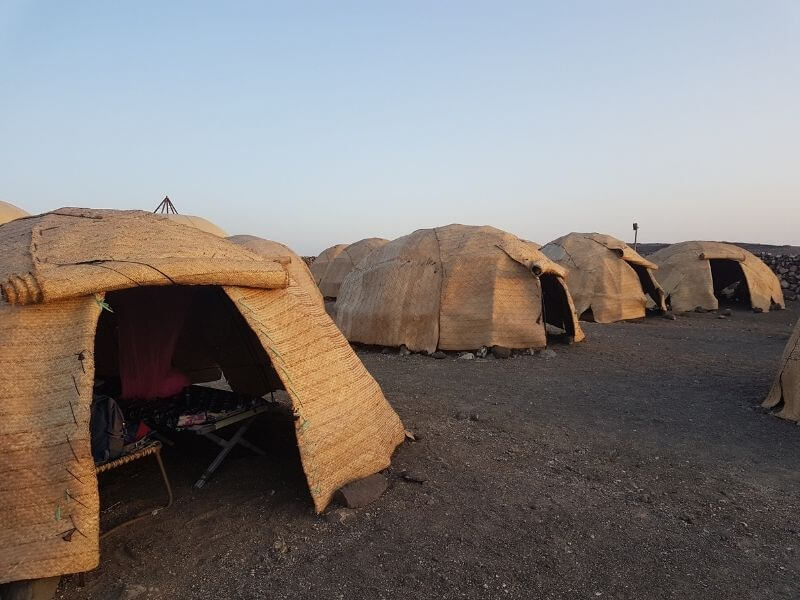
<point x="319" y="123"/>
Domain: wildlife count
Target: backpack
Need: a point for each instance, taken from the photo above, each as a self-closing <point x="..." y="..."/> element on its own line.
<point x="107" y="427"/>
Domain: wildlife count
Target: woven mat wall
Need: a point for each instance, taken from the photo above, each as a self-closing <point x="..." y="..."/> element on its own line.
<point x="787" y="383"/>
<point x="48" y="488"/>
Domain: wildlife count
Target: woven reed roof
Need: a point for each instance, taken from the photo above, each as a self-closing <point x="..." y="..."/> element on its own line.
<point x="341" y="262"/>
<point x="198" y="223"/>
<point x="74" y="252"/>
<point x="685" y="275"/>
<point x="606" y="276"/>
<point x="9" y="212"/>
<point x="457" y="287"/>
<point x="295" y="265"/>
<point x="55" y="271"/>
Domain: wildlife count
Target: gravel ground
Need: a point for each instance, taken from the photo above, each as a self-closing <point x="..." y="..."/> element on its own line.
<point x="637" y="464"/>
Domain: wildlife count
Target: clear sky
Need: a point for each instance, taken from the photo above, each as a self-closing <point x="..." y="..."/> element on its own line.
<point x="318" y="123"/>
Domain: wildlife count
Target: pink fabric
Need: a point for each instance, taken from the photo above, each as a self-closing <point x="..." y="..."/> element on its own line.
<point x="149" y="320"/>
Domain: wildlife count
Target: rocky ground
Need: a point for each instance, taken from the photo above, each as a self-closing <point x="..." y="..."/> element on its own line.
<point x="637" y="464"/>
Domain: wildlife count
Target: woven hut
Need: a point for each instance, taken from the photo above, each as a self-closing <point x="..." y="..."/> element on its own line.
<point x="696" y="274"/>
<point x="198" y="223"/>
<point x="344" y="262"/>
<point x="296" y="266"/>
<point x="785" y="392"/>
<point x="167" y="208"/>
<point x="457" y="287"/>
<point x="322" y="262"/>
<point x="608" y="280"/>
<point x="9" y="212"/>
<point x="262" y="330"/>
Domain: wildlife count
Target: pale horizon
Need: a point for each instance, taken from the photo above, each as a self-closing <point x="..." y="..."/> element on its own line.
<point x="319" y="125"/>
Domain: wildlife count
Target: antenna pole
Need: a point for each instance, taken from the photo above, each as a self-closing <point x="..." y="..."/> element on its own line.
<point x="166" y="207"/>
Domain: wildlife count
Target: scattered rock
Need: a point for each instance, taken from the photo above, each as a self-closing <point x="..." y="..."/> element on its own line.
<point x="281" y="547"/>
<point x="466" y="356"/>
<point x="340" y="515"/>
<point x="474" y="417"/>
<point x="501" y="351"/>
<point x="362" y="492"/>
<point x="404" y="351"/>
<point x="410" y="436"/>
<point x="413" y="476"/>
<point x="461" y="415"/>
<point x="482" y="352"/>
<point x="132" y="590"/>
<point x="439" y="355"/>
<point x="784" y="284"/>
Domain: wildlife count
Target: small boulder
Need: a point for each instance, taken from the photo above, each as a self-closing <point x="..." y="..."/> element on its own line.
<point x="669" y="316"/>
<point x="362" y="492"/>
<point x="501" y="351"/>
<point x="466" y="356"/>
<point x="548" y="353"/>
<point x="727" y="312"/>
<point x="439" y="355"/>
<point x="413" y="476"/>
<point x="482" y="351"/>
<point x="404" y="351"/>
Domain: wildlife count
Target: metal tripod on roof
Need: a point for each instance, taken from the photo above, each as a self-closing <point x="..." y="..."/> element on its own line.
<point x="166" y="207"/>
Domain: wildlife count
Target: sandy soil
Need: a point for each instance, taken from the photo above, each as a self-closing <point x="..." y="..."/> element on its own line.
<point x="637" y="465"/>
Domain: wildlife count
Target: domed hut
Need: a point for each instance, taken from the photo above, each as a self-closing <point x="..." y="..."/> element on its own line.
<point x="457" y="287"/>
<point x="60" y="271"/>
<point x="9" y="212"/>
<point x="344" y="262"/>
<point x="322" y="262"/>
<point x="698" y="274"/>
<point x="608" y="280"/>
<point x="167" y="208"/>
<point x="785" y="391"/>
<point x="296" y="266"/>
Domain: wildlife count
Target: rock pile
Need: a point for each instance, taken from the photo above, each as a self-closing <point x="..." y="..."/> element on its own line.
<point x="787" y="268"/>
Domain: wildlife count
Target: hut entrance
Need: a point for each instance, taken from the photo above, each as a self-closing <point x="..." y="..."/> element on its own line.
<point x="730" y="284"/>
<point x="555" y="304"/>
<point x="646" y="281"/>
<point x="181" y="359"/>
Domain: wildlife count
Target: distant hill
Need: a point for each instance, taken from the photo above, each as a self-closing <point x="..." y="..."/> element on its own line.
<point x="645" y="249"/>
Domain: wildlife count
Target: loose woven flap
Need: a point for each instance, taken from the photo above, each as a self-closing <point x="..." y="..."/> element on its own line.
<point x="345" y="428"/>
<point x="75" y="252"/>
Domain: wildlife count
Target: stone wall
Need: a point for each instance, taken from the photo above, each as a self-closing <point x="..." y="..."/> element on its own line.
<point x="787" y="268"/>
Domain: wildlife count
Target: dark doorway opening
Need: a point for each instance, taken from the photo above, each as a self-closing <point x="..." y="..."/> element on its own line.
<point x="555" y="304"/>
<point x="730" y="285"/>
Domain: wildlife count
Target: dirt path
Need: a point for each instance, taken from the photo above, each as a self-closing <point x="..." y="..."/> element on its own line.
<point x="635" y="465"/>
